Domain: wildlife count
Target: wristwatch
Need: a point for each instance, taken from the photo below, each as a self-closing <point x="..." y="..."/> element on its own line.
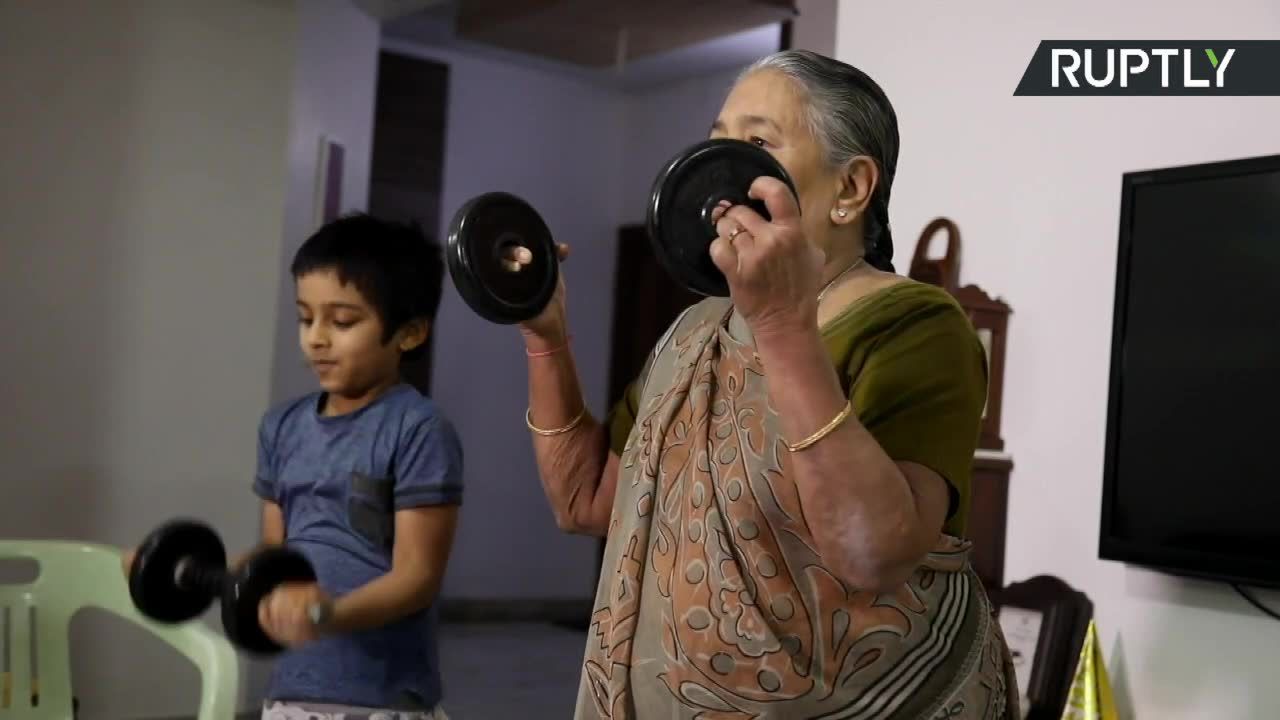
<point x="320" y="613"/>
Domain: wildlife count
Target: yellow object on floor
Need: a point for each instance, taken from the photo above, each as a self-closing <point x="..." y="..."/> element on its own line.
<point x="1090" y="697"/>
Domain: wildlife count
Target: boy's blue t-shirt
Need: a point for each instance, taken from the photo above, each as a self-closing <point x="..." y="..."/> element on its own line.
<point x="339" y="481"/>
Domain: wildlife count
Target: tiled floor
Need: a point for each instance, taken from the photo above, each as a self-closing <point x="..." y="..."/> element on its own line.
<point x="515" y="671"/>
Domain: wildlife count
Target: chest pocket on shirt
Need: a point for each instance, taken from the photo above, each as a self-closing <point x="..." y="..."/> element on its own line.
<point x="369" y="509"/>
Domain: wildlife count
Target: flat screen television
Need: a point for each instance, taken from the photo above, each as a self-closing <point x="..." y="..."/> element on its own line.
<point x="1191" y="482"/>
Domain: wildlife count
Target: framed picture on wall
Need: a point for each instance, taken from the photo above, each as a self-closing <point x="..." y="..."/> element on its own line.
<point x="329" y="167"/>
<point x="1044" y="622"/>
<point x="1023" y="629"/>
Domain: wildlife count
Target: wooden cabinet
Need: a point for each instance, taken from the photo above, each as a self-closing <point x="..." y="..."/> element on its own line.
<point x="989" y="494"/>
<point x="988" y="506"/>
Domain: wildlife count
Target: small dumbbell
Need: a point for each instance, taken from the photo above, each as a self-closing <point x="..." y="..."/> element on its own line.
<point x="181" y="568"/>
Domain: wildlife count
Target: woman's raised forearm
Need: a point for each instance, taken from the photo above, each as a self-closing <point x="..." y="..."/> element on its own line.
<point x="570" y="446"/>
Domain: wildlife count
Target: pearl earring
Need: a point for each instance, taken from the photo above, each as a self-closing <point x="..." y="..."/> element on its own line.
<point x="842" y="213"/>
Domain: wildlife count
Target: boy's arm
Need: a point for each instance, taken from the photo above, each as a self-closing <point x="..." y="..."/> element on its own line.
<point x="266" y="487"/>
<point x="298" y="613"/>
<point x="428" y="491"/>
<point x="272" y="523"/>
<point x="424" y="537"/>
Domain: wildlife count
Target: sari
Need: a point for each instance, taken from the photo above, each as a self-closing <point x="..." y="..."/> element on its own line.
<point x="713" y="602"/>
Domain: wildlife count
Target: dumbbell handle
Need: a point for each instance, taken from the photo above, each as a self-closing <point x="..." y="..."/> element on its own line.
<point x="191" y="575"/>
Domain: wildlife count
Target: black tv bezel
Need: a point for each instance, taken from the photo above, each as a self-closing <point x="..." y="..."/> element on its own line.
<point x="1202" y="565"/>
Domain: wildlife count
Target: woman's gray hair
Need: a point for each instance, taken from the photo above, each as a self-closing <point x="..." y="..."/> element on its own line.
<point x="850" y="116"/>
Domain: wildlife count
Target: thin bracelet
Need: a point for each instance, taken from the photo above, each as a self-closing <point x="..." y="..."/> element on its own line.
<point x="528" y="420"/>
<point x="552" y="351"/>
<point x="826" y="429"/>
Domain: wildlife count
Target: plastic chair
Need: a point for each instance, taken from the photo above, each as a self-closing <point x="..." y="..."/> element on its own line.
<point x="74" y="576"/>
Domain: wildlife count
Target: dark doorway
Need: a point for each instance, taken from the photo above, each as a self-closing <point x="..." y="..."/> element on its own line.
<point x="407" y="165"/>
<point x="646" y="300"/>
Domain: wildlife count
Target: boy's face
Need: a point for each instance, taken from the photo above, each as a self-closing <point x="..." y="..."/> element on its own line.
<point x="342" y="337"/>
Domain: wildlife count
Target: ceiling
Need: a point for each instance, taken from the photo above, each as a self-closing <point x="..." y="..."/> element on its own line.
<point x="644" y="48"/>
<point x="601" y="33"/>
<point x="388" y="9"/>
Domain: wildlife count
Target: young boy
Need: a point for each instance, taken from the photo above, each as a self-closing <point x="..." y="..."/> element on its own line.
<point x="364" y="477"/>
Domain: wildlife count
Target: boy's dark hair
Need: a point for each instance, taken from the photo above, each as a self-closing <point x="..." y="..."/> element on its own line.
<point x="398" y="270"/>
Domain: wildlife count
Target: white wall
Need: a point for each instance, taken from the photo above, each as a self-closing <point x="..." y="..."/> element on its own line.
<point x="1034" y="184"/>
<point x="141" y="186"/>
<point x="334" y="84"/>
<point x="555" y="141"/>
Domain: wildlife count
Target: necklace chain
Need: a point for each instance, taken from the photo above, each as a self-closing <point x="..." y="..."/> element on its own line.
<point x="836" y="279"/>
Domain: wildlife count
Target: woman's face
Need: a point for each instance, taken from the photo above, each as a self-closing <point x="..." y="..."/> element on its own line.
<point x="766" y="109"/>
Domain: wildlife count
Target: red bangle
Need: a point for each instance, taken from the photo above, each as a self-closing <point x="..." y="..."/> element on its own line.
<point x="552" y="351"/>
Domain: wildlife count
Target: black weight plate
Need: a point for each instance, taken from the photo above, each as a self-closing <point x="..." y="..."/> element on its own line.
<point x="685" y="192"/>
<point x="479" y="233"/>
<point x="152" y="579"/>
<point x="252" y="581"/>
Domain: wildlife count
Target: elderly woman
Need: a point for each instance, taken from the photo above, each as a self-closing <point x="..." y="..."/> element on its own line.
<point x="784" y="488"/>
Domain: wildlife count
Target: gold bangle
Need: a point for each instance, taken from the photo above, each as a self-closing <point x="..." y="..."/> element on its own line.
<point x="528" y="420"/>
<point x="826" y="429"/>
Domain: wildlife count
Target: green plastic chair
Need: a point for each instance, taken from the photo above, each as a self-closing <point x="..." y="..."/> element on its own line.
<point x="74" y="576"/>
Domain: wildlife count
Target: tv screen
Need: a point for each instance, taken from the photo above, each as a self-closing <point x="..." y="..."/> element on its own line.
<point x="1192" y="467"/>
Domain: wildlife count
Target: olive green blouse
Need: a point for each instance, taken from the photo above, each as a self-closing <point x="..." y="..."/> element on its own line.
<point x="913" y="365"/>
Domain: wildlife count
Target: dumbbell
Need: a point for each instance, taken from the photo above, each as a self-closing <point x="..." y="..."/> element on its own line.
<point x="685" y="196"/>
<point x="180" y="569"/>
<point x="679" y="219"/>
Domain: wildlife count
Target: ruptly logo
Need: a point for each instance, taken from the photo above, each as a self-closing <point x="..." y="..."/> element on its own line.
<point x="1153" y="67"/>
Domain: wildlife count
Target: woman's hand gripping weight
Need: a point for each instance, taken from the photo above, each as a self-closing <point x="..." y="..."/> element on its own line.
<point x="774" y="272"/>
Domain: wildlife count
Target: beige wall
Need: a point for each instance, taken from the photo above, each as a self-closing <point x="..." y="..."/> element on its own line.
<point x="1034" y="184"/>
<point x="142" y="190"/>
